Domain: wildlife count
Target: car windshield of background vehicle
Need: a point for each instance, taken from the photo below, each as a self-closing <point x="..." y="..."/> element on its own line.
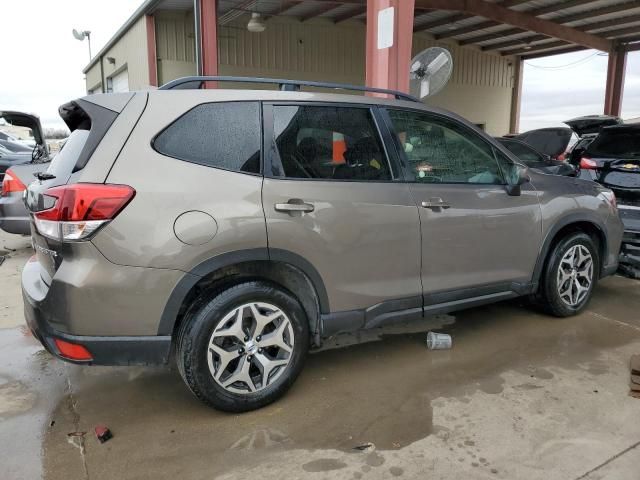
<point x="440" y="151"/>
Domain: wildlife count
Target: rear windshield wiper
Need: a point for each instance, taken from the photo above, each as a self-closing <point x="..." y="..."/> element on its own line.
<point x="44" y="176"/>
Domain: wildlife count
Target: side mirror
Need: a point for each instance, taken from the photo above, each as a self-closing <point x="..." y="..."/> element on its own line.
<point x="519" y="176"/>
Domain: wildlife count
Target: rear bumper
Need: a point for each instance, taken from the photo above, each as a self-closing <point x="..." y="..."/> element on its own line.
<point x="105" y="350"/>
<point x="14" y="217"/>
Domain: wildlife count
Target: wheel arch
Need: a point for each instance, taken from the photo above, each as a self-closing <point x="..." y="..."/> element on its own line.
<point x="579" y="222"/>
<point x="281" y="267"/>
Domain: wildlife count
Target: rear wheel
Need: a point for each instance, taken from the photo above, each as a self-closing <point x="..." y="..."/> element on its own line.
<point x="570" y="275"/>
<point x="242" y="349"/>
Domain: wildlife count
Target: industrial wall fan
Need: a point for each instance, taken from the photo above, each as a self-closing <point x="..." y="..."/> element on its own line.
<point x="430" y="71"/>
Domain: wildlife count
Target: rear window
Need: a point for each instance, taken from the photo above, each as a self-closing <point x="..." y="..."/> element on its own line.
<point x="623" y="143"/>
<point x="221" y="135"/>
<point x="64" y="162"/>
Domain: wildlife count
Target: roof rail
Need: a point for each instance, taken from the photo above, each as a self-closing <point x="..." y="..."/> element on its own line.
<point x="197" y="81"/>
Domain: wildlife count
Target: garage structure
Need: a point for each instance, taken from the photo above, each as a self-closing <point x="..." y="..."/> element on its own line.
<point x="338" y="41"/>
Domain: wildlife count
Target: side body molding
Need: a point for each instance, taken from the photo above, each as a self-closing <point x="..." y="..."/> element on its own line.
<point x="211" y="265"/>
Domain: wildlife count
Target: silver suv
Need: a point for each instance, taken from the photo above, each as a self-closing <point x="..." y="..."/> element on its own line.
<point x="233" y="230"/>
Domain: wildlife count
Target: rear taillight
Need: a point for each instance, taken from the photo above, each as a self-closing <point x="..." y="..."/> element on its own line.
<point x="562" y="157"/>
<point x="81" y="209"/>
<point x="72" y="351"/>
<point x="11" y="183"/>
<point x="588" y="164"/>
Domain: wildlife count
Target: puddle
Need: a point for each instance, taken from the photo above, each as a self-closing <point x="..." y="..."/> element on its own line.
<point x="15" y="398"/>
<point x="380" y="392"/>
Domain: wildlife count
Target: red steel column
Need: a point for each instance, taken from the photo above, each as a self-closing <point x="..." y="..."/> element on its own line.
<point x="152" y="58"/>
<point x="388" y="65"/>
<point x="616" y="71"/>
<point x="209" y="37"/>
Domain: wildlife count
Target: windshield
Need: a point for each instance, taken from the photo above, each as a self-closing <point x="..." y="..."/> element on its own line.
<point x="623" y="143"/>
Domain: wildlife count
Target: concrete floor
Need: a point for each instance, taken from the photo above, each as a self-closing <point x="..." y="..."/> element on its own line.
<point x="520" y="395"/>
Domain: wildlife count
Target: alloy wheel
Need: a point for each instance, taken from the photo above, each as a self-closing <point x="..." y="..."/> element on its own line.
<point x="575" y="275"/>
<point x="250" y="348"/>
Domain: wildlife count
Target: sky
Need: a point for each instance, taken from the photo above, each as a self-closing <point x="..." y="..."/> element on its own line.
<point x="43" y="69"/>
<point x="565" y="86"/>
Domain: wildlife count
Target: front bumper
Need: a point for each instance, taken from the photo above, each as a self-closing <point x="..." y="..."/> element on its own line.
<point x="630" y="251"/>
<point x="14" y="217"/>
<point x="105" y="350"/>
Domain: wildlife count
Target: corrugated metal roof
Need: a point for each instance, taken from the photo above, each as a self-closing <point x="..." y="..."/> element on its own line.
<point x="579" y="14"/>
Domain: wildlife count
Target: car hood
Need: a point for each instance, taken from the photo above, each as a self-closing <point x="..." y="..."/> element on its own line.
<point x="592" y="123"/>
<point x="550" y="141"/>
<point x="21" y="119"/>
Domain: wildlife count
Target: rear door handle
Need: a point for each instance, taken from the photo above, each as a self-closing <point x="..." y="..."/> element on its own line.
<point x="436" y="204"/>
<point x="293" y="206"/>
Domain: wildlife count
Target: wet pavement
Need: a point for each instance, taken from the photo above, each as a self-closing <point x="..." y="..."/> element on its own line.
<point x="520" y="395"/>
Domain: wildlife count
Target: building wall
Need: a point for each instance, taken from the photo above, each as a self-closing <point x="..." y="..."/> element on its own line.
<point x="480" y="87"/>
<point x="175" y="45"/>
<point x="130" y="53"/>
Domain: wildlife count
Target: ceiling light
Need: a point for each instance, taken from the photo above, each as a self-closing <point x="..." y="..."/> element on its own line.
<point x="256" y="23"/>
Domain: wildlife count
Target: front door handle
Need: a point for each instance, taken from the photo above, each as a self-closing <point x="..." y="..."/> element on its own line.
<point x="436" y="204"/>
<point x="293" y="206"/>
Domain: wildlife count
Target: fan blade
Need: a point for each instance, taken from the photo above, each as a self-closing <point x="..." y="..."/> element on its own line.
<point x="424" y="87"/>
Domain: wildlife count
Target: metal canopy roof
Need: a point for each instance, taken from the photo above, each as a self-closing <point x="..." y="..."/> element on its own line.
<point x="527" y="28"/>
<point x="540" y="27"/>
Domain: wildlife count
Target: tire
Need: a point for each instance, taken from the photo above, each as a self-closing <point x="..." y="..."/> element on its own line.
<point x="563" y="294"/>
<point x="209" y="344"/>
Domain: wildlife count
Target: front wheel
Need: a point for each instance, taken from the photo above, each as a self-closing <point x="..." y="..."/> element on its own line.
<point x="242" y="349"/>
<point x="570" y="275"/>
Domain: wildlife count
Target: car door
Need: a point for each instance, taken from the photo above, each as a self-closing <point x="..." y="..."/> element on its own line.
<point x="333" y="198"/>
<point x="476" y="238"/>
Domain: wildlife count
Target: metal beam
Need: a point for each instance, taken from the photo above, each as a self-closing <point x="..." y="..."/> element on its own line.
<point x="456" y="18"/>
<point x="287" y="5"/>
<point x="633" y="47"/>
<point x="319" y="11"/>
<point x="616" y="69"/>
<point x="350" y="14"/>
<point x="492" y="36"/>
<point x="513" y="43"/>
<point x="538" y="48"/>
<point x="535" y="12"/>
<point x="554" y="52"/>
<point x="516" y="97"/>
<point x="524" y="40"/>
<point x="526" y="21"/>
<point x="620" y="32"/>
<point x="466" y="29"/>
<point x="441" y="21"/>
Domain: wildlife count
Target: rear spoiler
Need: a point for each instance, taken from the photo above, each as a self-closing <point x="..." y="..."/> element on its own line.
<point x="83" y="115"/>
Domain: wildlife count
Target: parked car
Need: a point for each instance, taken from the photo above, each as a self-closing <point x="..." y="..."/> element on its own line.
<point x="12" y="140"/>
<point x="552" y="141"/>
<point x="613" y="160"/>
<point x="16" y="171"/>
<point x="532" y="158"/>
<point x="14" y="216"/>
<point x="566" y="143"/>
<point x="587" y="129"/>
<point x="151" y="229"/>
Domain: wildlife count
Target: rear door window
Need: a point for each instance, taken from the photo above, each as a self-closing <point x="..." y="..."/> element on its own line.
<point x="330" y="143"/>
<point x="221" y="135"/>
